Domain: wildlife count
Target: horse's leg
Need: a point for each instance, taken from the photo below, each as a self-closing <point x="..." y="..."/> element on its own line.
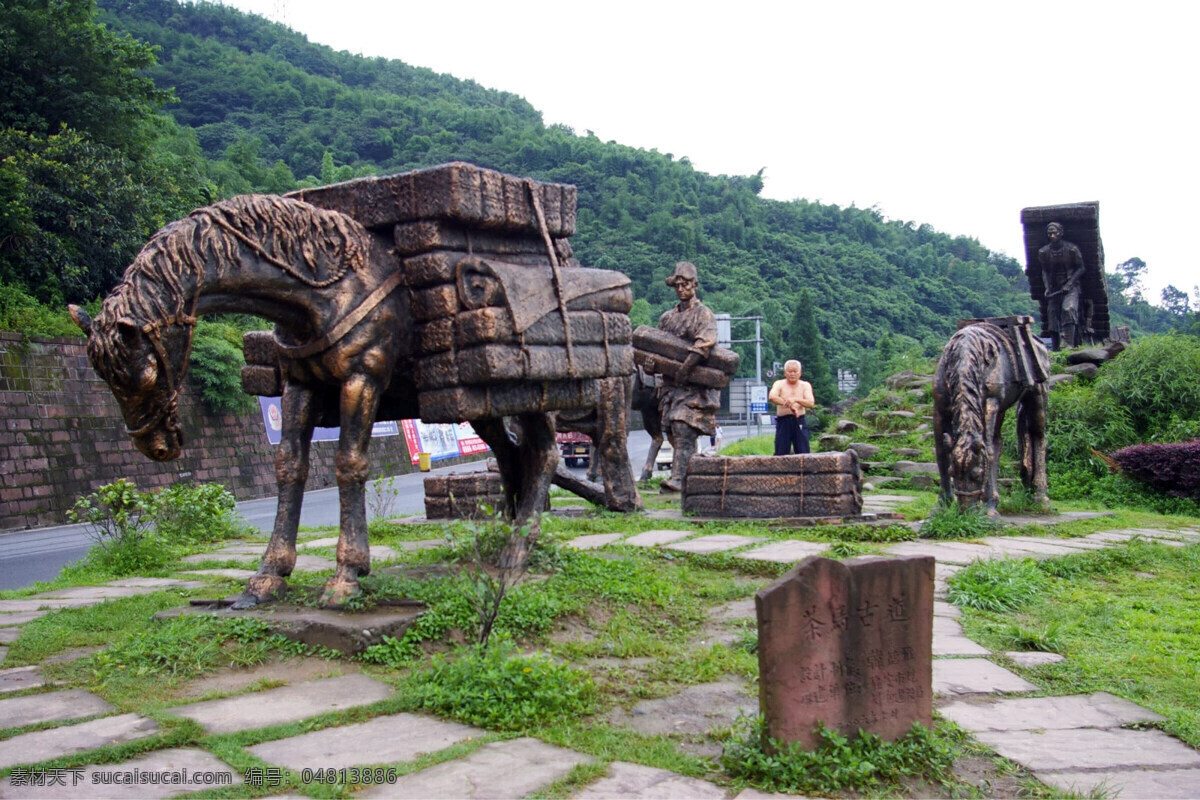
<point x="1032" y="418"/>
<point x="942" y="444"/>
<point x="991" y="488"/>
<point x="359" y="402"/>
<point x="612" y="446"/>
<point x="504" y="450"/>
<point x="291" y="472"/>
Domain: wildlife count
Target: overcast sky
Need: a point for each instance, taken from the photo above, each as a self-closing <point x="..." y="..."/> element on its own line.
<point x="956" y="114"/>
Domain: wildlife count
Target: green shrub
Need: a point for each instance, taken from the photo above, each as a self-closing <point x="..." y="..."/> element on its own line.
<point x="950" y="522"/>
<point x="839" y="764"/>
<point x="1157" y="379"/>
<point x="502" y="689"/>
<point x="24" y="314"/>
<point x="196" y="513"/>
<point x="121" y="519"/>
<point x="216" y="367"/>
<point x="1002" y="584"/>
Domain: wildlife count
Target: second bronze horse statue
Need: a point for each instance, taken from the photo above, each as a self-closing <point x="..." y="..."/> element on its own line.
<point x="984" y="370"/>
<point x="331" y="288"/>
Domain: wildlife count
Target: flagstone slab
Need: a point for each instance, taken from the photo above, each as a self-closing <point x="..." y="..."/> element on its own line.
<point x="204" y="771"/>
<point x="217" y="555"/>
<point x="17" y="679"/>
<point x="953" y="553"/>
<point x="974" y="676"/>
<point x="1127" y="784"/>
<point x="381" y="553"/>
<point x="1090" y="748"/>
<point x="21" y="617"/>
<point x="943" y="609"/>
<point x="655" y="538"/>
<point x="496" y="771"/>
<point x="1057" y="518"/>
<point x="422" y="544"/>
<point x="635" y="782"/>
<point x="1027" y="548"/>
<point x="307" y="563"/>
<point x="227" y="572"/>
<point x="717" y="543"/>
<point x="1033" y="658"/>
<point x="593" y="541"/>
<point x="325" y="541"/>
<point x="16" y="712"/>
<point x="787" y="552"/>
<point x="29" y="604"/>
<point x="3" y="655"/>
<point x="9" y="635"/>
<point x="284" y="704"/>
<point x="71" y="654"/>
<point x="1078" y="543"/>
<point x="1095" y="710"/>
<point x="96" y="593"/>
<point x="695" y="710"/>
<point x="158" y="583"/>
<point x="30" y="748"/>
<point x="949" y="639"/>
<point x="383" y="740"/>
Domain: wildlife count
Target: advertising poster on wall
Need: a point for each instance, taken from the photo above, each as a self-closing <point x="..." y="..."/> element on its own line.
<point x="273" y="420"/>
<point x="441" y="441"/>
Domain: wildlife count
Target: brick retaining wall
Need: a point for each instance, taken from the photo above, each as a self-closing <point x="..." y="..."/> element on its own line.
<point x="62" y="435"/>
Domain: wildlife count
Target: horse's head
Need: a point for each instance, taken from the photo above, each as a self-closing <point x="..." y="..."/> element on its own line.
<point x="143" y="364"/>
<point x="969" y="465"/>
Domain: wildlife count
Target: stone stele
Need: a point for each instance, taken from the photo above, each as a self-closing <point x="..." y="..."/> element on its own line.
<point x="849" y="644"/>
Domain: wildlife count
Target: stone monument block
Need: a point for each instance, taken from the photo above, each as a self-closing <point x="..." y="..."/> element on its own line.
<point x="849" y="644"/>
<point x="459" y="496"/>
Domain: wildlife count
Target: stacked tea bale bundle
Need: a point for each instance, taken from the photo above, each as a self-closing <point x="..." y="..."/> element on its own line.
<point x="506" y="321"/>
<point x="811" y="485"/>
<point x="262" y="374"/>
<point x="462" y="496"/>
<point x="662" y="353"/>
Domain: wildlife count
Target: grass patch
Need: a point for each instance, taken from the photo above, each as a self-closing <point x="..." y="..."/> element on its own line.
<point x="839" y="764"/>
<point x="1002" y="584"/>
<point x="950" y="522"/>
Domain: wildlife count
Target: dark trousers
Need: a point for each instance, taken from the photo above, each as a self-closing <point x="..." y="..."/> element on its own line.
<point x="791" y="432"/>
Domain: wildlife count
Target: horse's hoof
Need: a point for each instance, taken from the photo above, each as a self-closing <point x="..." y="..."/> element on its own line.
<point x="669" y="487"/>
<point x="261" y="589"/>
<point x="337" y="592"/>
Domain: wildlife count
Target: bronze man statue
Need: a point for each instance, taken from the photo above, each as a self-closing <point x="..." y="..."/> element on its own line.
<point x="1062" y="275"/>
<point x="687" y="410"/>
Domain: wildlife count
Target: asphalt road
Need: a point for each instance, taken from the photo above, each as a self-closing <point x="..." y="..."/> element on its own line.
<point x="39" y="554"/>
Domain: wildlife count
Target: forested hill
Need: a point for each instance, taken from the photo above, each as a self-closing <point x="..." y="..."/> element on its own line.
<point x="271" y="110"/>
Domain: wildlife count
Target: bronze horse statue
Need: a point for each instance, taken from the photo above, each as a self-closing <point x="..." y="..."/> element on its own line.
<point x="984" y="371"/>
<point x="330" y="287"/>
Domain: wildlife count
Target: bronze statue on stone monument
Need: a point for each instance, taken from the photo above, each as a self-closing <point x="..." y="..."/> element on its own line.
<point x="1062" y="276"/>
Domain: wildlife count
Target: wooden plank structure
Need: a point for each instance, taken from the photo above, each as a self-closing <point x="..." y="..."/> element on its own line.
<point x="506" y="321"/>
<point x="1081" y="222"/>
<point x="662" y="353"/>
<point x="810" y="485"/>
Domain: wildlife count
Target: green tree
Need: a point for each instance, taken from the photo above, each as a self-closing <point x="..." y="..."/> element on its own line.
<point x="804" y="340"/>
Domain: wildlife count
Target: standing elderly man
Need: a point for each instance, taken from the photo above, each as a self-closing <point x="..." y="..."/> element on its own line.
<point x="688" y="410"/>
<point x="792" y="397"/>
<point x="1062" y="275"/>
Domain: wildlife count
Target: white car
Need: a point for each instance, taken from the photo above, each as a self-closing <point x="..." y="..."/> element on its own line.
<point x="666" y="454"/>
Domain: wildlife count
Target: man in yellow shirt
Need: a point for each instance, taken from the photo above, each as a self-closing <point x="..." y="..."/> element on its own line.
<point x="792" y="397"/>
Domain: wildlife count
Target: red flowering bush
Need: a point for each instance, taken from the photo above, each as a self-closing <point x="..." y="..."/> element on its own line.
<point x="1171" y="468"/>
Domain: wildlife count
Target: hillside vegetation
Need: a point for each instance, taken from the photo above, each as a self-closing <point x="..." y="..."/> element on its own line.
<point x="257" y="107"/>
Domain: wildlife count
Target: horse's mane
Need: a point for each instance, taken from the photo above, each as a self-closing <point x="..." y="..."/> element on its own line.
<point x="969" y="354"/>
<point x="314" y="245"/>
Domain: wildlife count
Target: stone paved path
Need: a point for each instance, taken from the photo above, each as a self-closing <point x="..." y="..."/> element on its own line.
<point x="1073" y="744"/>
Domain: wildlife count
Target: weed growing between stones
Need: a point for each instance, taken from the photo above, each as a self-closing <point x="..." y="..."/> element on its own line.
<point x="863" y="763"/>
<point x="121" y="522"/>
<point x="1001" y="584"/>
<point x="502" y="689"/>
<point x="950" y="522"/>
<point x="381" y="499"/>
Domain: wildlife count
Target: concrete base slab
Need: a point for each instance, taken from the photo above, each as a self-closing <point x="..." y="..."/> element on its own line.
<point x="30" y="748"/>
<point x="718" y="543"/>
<point x="785" y="552"/>
<point x="1090" y="748"/>
<point x="285" y="704"/>
<point x="203" y="771"/>
<point x="1168" y="784"/>
<point x="1026" y="658"/>
<point x="593" y="541"/>
<point x="496" y="771"/>
<point x="975" y="676"/>
<point x="655" y="538"/>
<point x="637" y="782"/>
<point x="1096" y="710"/>
<point x="16" y="712"/>
<point x="19" y="678"/>
<point x="695" y="710"/>
<point x="347" y="632"/>
<point x="383" y="740"/>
